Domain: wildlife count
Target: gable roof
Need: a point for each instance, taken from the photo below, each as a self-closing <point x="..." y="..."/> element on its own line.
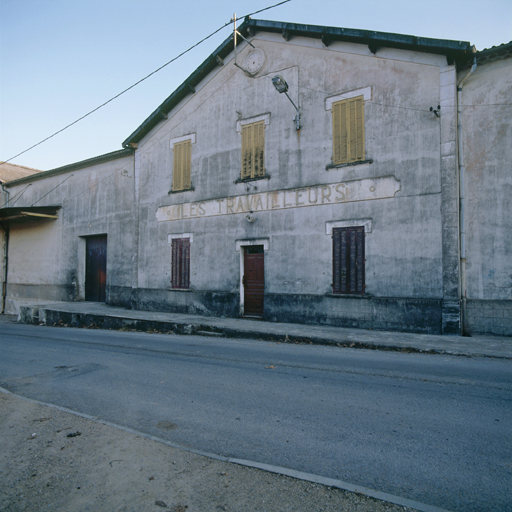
<point x="455" y="51"/>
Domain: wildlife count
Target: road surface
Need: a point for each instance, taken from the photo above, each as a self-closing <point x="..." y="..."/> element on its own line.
<point x="435" y="429"/>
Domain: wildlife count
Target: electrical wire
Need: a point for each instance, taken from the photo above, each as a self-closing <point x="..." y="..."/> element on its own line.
<point x="140" y="81"/>
<point x="70" y="176"/>
<point x="18" y="194"/>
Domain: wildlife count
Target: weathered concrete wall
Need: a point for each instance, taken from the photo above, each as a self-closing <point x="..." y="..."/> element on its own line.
<point x="405" y="195"/>
<point x="487" y="136"/>
<point x="411" y="256"/>
<point x="45" y="257"/>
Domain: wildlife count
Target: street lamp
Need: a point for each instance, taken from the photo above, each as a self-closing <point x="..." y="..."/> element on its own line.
<point x="281" y="86"/>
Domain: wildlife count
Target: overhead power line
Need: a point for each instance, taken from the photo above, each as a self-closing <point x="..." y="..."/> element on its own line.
<point x="141" y="80"/>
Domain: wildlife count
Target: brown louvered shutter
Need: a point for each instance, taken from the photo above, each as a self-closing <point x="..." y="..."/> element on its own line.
<point x="348" y="260"/>
<point x="348" y="130"/>
<point x="337" y="265"/>
<point x="360" y="285"/>
<point x="253" y="150"/>
<point x="181" y="179"/>
<point x="180" y="275"/>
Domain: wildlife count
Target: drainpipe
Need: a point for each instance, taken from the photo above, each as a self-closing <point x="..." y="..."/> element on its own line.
<point x="5" y="256"/>
<point x="462" y="199"/>
<point x="6" y="261"/>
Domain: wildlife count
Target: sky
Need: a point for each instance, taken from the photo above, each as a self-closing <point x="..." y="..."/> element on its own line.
<point x="60" y="59"/>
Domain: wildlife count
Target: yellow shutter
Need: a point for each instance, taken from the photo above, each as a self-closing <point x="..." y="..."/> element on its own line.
<point x="246" y="151"/>
<point x="253" y="150"/>
<point x="360" y="152"/>
<point x="348" y="130"/>
<point x="259" y="149"/>
<point x="181" y="173"/>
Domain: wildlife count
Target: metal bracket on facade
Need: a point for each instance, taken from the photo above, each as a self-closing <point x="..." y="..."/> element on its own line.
<point x="235" y="33"/>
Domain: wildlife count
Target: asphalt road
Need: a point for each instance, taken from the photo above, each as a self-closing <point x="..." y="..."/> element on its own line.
<point x="435" y="429"/>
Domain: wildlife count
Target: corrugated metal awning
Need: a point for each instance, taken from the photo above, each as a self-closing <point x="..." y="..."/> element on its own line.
<point x="24" y="214"/>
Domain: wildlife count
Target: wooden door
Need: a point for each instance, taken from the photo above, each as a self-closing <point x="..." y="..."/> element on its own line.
<point x="96" y="268"/>
<point x="254" y="280"/>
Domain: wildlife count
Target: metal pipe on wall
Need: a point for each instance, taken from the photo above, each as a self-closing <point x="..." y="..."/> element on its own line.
<point x="462" y="198"/>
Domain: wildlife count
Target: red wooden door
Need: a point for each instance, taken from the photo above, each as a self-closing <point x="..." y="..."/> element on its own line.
<point x="96" y="268"/>
<point x="254" y="280"/>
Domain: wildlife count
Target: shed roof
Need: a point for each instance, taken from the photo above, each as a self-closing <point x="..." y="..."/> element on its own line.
<point x="455" y="51"/>
<point x="24" y="214"/>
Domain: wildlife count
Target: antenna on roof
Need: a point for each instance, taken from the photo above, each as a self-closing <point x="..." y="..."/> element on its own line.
<point x="237" y="33"/>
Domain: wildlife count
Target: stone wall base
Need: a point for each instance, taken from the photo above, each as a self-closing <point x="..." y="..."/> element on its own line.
<point x="489" y="317"/>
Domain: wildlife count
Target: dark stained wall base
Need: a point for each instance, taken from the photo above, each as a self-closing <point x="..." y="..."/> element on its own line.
<point x="429" y="316"/>
<point x="385" y="314"/>
<point x="119" y="296"/>
<point x="451" y="317"/>
<point x="489" y="317"/>
<point x="205" y="303"/>
<point x="392" y="314"/>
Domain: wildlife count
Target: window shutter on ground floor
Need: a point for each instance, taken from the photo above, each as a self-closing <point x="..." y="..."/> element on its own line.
<point x="348" y="260"/>
<point x="180" y="277"/>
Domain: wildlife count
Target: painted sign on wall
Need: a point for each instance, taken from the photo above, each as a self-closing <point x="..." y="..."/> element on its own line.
<point x="344" y="192"/>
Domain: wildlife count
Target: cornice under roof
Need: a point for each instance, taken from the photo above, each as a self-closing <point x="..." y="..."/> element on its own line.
<point x="455" y="51"/>
<point x="114" y="155"/>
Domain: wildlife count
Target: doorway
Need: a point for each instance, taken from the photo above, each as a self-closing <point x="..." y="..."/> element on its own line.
<point x="254" y="280"/>
<point x="96" y="268"/>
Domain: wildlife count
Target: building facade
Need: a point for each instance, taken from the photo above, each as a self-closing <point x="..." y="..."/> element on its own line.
<point x="311" y="175"/>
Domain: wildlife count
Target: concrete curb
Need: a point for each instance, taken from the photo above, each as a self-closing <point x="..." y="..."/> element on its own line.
<point x="299" y="475"/>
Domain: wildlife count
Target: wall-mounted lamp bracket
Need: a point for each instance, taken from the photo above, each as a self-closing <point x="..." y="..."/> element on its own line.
<point x="281" y="86"/>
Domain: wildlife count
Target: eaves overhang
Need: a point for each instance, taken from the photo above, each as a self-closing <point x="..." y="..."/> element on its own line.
<point x="23" y="214"/>
<point x="503" y="51"/>
<point x="455" y="51"/>
<point x="83" y="164"/>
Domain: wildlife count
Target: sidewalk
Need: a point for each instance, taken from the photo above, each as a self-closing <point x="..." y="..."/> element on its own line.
<point x="86" y="314"/>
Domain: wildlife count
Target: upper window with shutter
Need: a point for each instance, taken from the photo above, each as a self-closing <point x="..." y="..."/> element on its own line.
<point x="182" y="162"/>
<point x="348" y="138"/>
<point x="348" y="131"/>
<point x="252" y="131"/>
<point x="253" y="150"/>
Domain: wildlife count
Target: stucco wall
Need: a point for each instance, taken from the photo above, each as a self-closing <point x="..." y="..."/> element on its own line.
<point x="404" y="251"/>
<point x="487" y="136"/>
<point x="411" y="222"/>
<point x="44" y="256"/>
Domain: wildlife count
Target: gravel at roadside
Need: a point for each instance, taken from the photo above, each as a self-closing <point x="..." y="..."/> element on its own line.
<point x="53" y="460"/>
